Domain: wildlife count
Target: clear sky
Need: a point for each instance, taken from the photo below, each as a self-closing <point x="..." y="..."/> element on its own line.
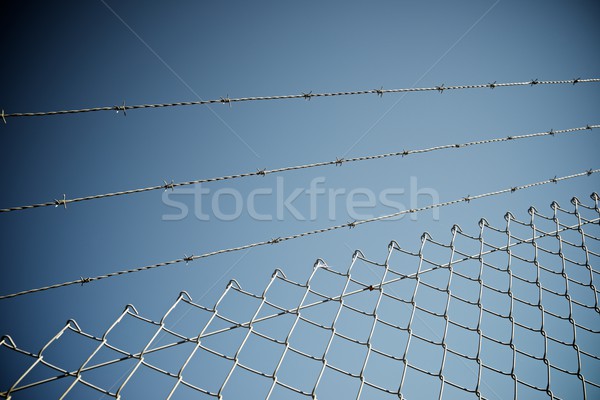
<point x="64" y="55"/>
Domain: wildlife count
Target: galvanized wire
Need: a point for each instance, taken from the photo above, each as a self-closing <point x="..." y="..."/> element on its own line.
<point x="525" y="273"/>
<point x="307" y="96"/>
<point x="277" y="240"/>
<point x="262" y="172"/>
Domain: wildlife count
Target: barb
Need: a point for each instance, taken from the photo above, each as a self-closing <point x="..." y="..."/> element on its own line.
<point x="264" y="171"/>
<point x="306" y="96"/>
<point x="122" y="107"/>
<point x="299" y="235"/>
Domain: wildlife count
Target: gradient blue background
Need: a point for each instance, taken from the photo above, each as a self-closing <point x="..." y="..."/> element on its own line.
<point x="61" y="55"/>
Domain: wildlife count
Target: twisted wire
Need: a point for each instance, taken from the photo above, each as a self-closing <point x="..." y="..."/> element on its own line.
<point x="277" y="240"/>
<point x="307" y="96"/>
<point x="337" y="162"/>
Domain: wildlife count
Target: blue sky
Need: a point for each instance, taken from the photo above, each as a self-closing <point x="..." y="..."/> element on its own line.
<point x="64" y="55"/>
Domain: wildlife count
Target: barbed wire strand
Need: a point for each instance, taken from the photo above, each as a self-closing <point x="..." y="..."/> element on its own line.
<point x="226" y="100"/>
<point x="350" y="225"/>
<point x="262" y="172"/>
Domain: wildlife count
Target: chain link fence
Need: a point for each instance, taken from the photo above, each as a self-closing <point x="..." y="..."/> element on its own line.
<point x="505" y="312"/>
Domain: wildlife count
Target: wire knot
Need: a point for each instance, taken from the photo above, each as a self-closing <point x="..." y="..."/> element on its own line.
<point x="379" y="92"/>
<point x="440" y="88"/>
<point x="308" y="95"/>
<point x="575" y="201"/>
<point x="188" y="259"/>
<point x="509" y="138"/>
<point x="339" y="161"/>
<point x="275" y="241"/>
<point x="576" y="80"/>
<point x="455" y="228"/>
<point x="589" y="172"/>
<point x="513" y="189"/>
<point x="534" y="82"/>
<point x="404" y="153"/>
<point x="551" y="132"/>
<point x="492" y="85"/>
<point x="262" y="172"/>
<point x="85" y="280"/>
<point x="352" y="224"/>
<point x="467" y="199"/>
<point x="62" y="201"/>
<point x="457" y="145"/>
<point x="371" y="288"/>
<point x="170" y="185"/>
<point x="554" y="180"/>
<point x="589" y="127"/>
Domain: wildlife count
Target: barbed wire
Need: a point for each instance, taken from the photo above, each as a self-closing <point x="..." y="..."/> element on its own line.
<point x="263" y="172"/>
<point x="277" y="240"/>
<point x="528" y="333"/>
<point x="307" y="96"/>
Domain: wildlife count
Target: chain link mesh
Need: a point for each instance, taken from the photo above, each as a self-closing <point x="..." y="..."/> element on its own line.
<point x="507" y="312"/>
